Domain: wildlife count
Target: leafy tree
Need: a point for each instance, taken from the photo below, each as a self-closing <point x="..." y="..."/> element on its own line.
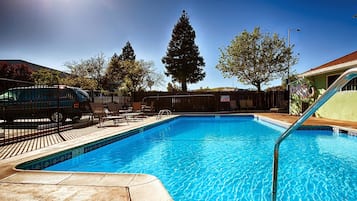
<point x="46" y="77"/>
<point x="82" y="82"/>
<point x="116" y="70"/>
<point x="140" y="76"/>
<point x="95" y="67"/>
<point x="256" y="58"/>
<point x="182" y="60"/>
<point x="135" y="76"/>
<point x="86" y="70"/>
<point x="151" y="77"/>
<point x="77" y="68"/>
<point x="115" y="73"/>
<point x="15" y="71"/>
<point x="172" y="87"/>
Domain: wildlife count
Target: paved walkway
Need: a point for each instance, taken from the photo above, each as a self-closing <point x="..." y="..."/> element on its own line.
<point x="18" y="148"/>
<point x="14" y="149"/>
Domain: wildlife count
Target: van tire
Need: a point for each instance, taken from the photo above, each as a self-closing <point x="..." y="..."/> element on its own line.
<point x="61" y="117"/>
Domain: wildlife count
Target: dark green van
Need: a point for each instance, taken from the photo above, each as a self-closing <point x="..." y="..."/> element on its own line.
<point x="54" y="102"/>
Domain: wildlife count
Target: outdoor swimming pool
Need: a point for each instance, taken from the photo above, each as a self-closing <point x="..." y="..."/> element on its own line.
<point x="230" y="158"/>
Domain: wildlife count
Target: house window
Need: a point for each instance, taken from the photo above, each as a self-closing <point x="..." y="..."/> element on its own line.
<point x="331" y="79"/>
<point x="350" y="86"/>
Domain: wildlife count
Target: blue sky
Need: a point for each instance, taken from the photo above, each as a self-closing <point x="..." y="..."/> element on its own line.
<point x="52" y="32"/>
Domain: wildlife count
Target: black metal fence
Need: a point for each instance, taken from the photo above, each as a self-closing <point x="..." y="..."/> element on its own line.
<point x="351" y="85"/>
<point x="28" y="111"/>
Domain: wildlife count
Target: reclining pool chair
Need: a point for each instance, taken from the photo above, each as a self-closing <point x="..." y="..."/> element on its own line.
<point x="103" y="114"/>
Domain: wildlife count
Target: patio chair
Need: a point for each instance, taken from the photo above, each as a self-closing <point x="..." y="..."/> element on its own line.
<point x="136" y="106"/>
<point x="114" y="108"/>
<point x="148" y="108"/>
<point x="103" y="114"/>
<point x="135" y="112"/>
<point x="2" y="136"/>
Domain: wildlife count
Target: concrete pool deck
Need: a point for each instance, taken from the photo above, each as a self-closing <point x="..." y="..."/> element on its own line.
<point x="41" y="185"/>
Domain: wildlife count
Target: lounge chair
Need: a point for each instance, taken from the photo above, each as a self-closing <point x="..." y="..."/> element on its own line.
<point x="114" y="108"/>
<point x="2" y="136"/>
<point x="135" y="113"/>
<point x="148" y="108"/>
<point x="103" y="114"/>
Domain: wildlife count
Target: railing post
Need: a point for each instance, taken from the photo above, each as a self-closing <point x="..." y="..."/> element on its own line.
<point x="335" y="87"/>
<point x="58" y="108"/>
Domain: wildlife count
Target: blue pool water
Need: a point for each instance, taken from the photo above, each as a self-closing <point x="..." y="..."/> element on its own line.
<point x="230" y="158"/>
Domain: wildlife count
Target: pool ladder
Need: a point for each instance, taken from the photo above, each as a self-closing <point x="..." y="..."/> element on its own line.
<point x="334" y="88"/>
<point x="163" y="112"/>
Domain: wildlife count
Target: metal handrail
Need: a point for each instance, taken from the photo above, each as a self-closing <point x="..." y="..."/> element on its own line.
<point x="335" y="87"/>
<point x="162" y="112"/>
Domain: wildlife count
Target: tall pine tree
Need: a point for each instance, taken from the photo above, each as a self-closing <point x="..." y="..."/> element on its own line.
<point x="127" y="53"/>
<point x="182" y="60"/>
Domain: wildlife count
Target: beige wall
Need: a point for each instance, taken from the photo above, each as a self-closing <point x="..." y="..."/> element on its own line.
<point x="342" y="106"/>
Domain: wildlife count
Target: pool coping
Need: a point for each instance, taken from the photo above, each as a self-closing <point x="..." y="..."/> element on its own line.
<point x="107" y="185"/>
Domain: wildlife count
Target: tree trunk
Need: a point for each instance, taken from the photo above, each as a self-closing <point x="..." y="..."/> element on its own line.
<point x="184" y="86"/>
<point x="258" y="86"/>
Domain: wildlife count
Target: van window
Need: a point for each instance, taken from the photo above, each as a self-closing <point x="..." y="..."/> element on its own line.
<point x="26" y="95"/>
<point x="82" y="95"/>
<point x="9" y="95"/>
<point x="66" y="94"/>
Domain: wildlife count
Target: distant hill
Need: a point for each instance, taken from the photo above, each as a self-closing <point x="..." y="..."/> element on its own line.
<point x="218" y="89"/>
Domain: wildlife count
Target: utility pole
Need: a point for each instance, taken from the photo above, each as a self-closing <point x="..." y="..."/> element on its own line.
<point x="288" y="78"/>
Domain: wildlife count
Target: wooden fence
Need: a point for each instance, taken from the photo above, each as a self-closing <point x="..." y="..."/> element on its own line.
<point x="242" y="101"/>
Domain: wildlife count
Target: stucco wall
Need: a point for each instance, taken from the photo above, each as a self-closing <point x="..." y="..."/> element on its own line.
<point x="319" y="82"/>
<point x="342" y="106"/>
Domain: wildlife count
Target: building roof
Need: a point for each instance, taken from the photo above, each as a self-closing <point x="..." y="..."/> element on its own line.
<point x="343" y="63"/>
<point x="32" y="66"/>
